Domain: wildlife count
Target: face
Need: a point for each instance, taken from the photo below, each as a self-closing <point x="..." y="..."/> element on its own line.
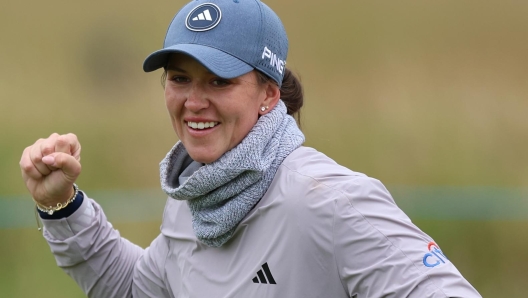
<point x="212" y="115"/>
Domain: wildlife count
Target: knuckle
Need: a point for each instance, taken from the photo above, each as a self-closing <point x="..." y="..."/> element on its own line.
<point x="34" y="158"/>
<point x="25" y="152"/>
<point x="23" y="158"/>
<point x="47" y="149"/>
<point x="71" y="136"/>
<point x="74" y="139"/>
<point x="62" y="140"/>
<point x="26" y="167"/>
<point x="38" y="144"/>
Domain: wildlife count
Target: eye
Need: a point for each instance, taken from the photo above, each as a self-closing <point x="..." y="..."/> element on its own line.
<point x="180" y="79"/>
<point x="220" y="82"/>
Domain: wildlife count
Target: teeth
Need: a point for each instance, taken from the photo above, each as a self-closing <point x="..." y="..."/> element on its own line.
<point x="201" y="125"/>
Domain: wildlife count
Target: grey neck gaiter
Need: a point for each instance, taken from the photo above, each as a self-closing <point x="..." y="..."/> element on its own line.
<point x="222" y="193"/>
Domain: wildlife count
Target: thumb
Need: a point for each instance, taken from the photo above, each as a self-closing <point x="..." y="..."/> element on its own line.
<point x="69" y="165"/>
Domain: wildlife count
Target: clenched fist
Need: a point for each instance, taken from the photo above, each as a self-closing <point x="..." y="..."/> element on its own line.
<point x="50" y="167"/>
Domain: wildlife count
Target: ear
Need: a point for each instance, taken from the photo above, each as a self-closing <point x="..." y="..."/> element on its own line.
<point x="271" y="99"/>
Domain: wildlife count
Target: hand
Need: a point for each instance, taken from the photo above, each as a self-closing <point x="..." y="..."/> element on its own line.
<point x="50" y="167"/>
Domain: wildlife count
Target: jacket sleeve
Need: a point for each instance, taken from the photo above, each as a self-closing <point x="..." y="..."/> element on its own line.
<point x="381" y="253"/>
<point x="93" y="253"/>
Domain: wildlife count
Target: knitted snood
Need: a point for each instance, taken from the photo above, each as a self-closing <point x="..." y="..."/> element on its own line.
<point x="222" y="193"/>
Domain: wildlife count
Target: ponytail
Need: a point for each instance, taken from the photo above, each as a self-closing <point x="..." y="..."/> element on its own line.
<point x="292" y="94"/>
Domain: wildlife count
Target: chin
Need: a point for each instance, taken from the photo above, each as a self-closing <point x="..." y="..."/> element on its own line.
<point x="203" y="158"/>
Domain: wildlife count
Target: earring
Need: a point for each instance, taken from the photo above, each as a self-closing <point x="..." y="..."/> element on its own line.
<point x="262" y="109"/>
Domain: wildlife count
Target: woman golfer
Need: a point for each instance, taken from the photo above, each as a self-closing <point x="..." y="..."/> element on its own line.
<point x="250" y="211"/>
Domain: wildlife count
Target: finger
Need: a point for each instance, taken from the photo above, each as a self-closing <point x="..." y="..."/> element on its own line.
<point x="62" y="144"/>
<point x="27" y="167"/>
<point x="75" y="146"/>
<point x="49" y="146"/>
<point x="35" y="156"/>
<point x="70" y="166"/>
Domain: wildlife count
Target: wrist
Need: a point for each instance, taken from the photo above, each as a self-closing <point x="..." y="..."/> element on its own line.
<point x="65" y="212"/>
<point x="51" y="208"/>
<point x="47" y="200"/>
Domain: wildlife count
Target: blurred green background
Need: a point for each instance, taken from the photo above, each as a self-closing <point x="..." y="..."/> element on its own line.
<point x="430" y="97"/>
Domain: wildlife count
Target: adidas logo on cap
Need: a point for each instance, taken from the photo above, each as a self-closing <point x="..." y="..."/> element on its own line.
<point x="203" y="17"/>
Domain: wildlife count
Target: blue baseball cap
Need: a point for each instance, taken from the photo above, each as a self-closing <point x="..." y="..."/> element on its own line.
<point x="229" y="37"/>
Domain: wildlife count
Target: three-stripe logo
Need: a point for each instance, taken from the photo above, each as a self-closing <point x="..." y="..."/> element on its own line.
<point x="203" y="17"/>
<point x="263" y="274"/>
<point x="206" y="15"/>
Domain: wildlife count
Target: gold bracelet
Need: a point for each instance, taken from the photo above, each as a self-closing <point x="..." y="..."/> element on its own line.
<point x="50" y="210"/>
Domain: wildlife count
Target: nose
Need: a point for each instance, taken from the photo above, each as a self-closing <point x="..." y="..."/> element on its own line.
<point x="196" y="98"/>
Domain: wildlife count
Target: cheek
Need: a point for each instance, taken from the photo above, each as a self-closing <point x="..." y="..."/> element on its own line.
<point x="171" y="101"/>
<point x="167" y="97"/>
<point x="169" y="104"/>
<point x="247" y="119"/>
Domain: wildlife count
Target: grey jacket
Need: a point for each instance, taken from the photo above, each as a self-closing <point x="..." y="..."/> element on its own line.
<point x="321" y="230"/>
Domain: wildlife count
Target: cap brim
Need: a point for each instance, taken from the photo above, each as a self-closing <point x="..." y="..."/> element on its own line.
<point x="216" y="61"/>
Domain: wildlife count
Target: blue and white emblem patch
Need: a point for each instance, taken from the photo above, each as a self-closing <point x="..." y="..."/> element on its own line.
<point x="203" y="17"/>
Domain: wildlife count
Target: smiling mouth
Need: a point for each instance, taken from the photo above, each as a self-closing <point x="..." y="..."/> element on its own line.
<point x="202" y="125"/>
